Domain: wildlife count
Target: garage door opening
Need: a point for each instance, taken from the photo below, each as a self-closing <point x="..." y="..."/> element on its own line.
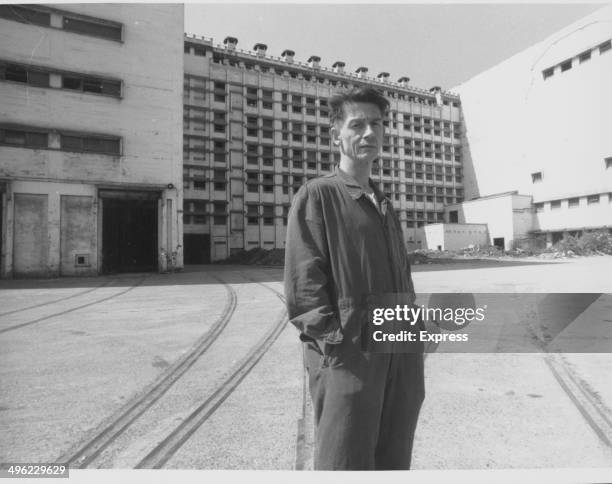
<point x="129" y="234"/>
<point x="197" y="248"/>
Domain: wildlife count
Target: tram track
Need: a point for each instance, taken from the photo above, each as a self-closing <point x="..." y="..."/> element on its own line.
<point x="70" y="310"/>
<point x="164" y="451"/>
<point x="88" y="452"/>
<point x="581" y="396"/>
<point x="54" y="301"/>
<point x="105" y="435"/>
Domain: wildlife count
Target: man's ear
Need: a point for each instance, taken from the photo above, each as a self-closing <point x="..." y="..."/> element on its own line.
<point x="335" y="135"/>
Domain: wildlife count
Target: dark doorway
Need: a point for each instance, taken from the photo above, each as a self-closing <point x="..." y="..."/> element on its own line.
<point x="129" y="235"/>
<point x="557" y="237"/>
<point x="499" y="243"/>
<point x="453" y="217"/>
<point x="197" y="248"/>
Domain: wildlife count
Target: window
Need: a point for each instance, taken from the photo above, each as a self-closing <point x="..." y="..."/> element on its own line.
<point x="592" y="199"/>
<point x="573" y="202"/>
<point x="90" y="84"/>
<point x="605" y="47"/>
<point x="608" y="162"/>
<point x="566" y="66"/>
<point x="24" y="138"/>
<point x="536" y="177"/>
<point x="94" y="27"/>
<point x="25" y="14"/>
<point x="555" y="204"/>
<point x="546" y="73"/>
<point x="91" y="144"/>
<point x="585" y="56"/>
<point x="27" y="75"/>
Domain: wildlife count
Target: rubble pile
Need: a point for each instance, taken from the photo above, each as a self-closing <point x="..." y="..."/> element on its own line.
<point x="256" y="256"/>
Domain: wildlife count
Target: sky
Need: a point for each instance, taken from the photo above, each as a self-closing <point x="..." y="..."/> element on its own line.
<point x="432" y="44"/>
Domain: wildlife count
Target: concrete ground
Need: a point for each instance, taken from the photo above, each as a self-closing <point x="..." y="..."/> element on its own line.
<point x="74" y="352"/>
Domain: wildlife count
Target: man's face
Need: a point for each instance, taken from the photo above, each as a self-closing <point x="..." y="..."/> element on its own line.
<point x="360" y="134"/>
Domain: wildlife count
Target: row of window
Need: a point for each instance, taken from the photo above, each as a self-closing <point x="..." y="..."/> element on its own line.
<point x="44" y="77"/>
<point x="69" y="21"/>
<point x="264" y="98"/>
<point x="416" y="219"/>
<point x="571" y="202"/>
<point x="585" y="56"/>
<point x="220" y="58"/>
<point x="35" y="138"/>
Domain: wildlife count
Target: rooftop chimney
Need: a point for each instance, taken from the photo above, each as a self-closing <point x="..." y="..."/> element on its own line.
<point x="313" y="61"/>
<point x="403" y="81"/>
<point x="287" y="55"/>
<point x="383" y="76"/>
<point x="230" y="43"/>
<point x="361" y="71"/>
<point x="437" y="92"/>
<point x="260" y="49"/>
<point x="339" y="67"/>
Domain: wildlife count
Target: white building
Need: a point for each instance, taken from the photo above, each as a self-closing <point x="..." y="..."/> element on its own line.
<point x="90" y="138"/>
<point x="539" y="123"/>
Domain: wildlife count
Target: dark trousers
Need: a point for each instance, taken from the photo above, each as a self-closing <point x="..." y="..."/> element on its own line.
<point x="366" y="406"/>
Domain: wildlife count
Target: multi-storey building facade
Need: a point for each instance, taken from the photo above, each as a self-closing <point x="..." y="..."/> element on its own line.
<point x="539" y="123"/>
<point x="90" y="138"/>
<point x="257" y="126"/>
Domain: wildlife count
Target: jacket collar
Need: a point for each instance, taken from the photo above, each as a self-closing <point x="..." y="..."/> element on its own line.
<point x="354" y="189"/>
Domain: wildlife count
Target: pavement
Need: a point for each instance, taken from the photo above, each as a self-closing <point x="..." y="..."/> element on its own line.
<point x="75" y="352"/>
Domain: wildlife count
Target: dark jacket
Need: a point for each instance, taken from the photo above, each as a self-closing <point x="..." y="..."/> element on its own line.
<point x="342" y="256"/>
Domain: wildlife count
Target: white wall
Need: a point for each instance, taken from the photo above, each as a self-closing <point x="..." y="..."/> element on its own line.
<point x="575" y="218"/>
<point x="517" y="123"/>
<point x="454" y="236"/>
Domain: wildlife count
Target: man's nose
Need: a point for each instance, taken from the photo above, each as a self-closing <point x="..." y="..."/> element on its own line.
<point x="369" y="131"/>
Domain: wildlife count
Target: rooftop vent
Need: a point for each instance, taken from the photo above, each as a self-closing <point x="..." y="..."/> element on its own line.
<point x="260" y="49"/>
<point x="437" y="92"/>
<point x="338" y="67"/>
<point x="383" y="76"/>
<point x="230" y="42"/>
<point x="403" y="81"/>
<point x="362" y="71"/>
<point x="314" y="61"/>
<point x="287" y="55"/>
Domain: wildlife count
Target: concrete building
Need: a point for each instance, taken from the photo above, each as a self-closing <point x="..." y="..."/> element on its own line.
<point x="539" y="123"/>
<point x="256" y="127"/>
<point x="507" y="216"/>
<point x="90" y="138"/>
<point x="447" y="236"/>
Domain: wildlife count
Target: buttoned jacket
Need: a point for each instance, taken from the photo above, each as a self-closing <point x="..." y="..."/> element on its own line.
<point x="342" y="256"/>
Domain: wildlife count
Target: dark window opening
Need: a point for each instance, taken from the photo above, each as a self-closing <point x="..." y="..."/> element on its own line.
<point x="25" y="15"/>
<point x="91" y="144"/>
<point x="96" y="29"/>
<point x="26" y="139"/>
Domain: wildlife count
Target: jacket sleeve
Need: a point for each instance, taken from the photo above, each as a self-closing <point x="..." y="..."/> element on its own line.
<point x="308" y="280"/>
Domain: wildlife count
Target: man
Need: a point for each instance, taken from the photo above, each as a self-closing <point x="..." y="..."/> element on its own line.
<point x="344" y="255"/>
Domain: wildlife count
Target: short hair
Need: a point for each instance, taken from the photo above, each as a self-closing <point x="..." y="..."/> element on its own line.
<point x="356" y="95"/>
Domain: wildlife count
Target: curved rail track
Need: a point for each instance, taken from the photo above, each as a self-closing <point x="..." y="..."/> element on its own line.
<point x="583" y="398"/>
<point x="70" y="310"/>
<point x="107" y="433"/>
<point x="14" y="311"/>
<point x="86" y="453"/>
